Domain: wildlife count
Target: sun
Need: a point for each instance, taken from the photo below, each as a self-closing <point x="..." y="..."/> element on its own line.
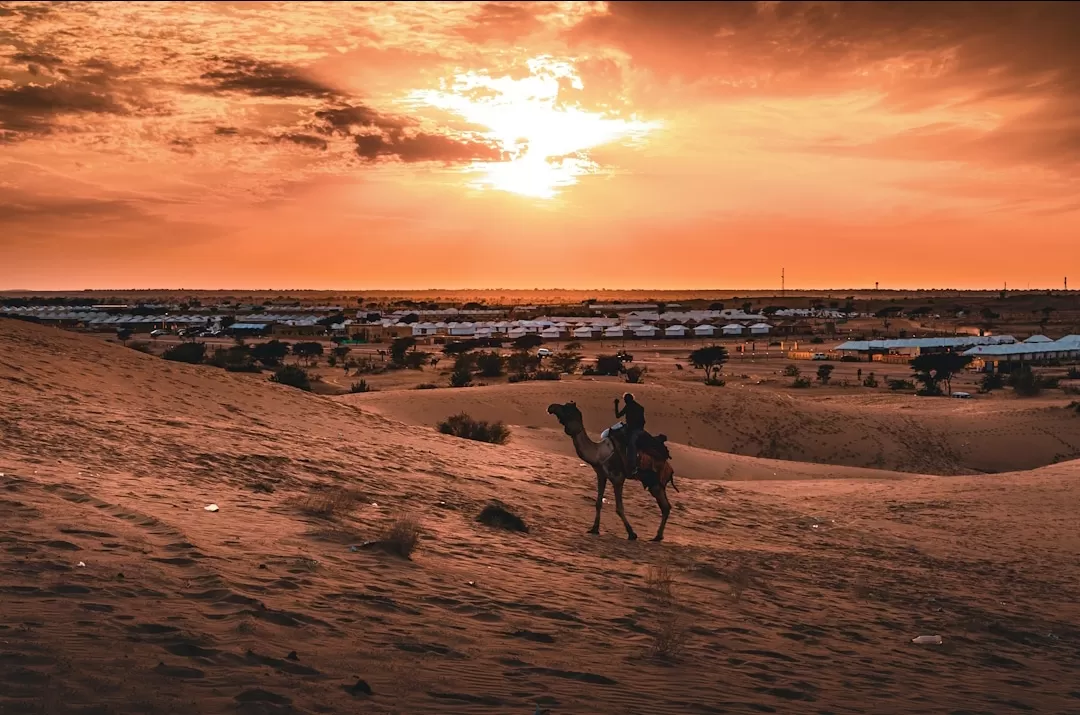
<point x="548" y="143"/>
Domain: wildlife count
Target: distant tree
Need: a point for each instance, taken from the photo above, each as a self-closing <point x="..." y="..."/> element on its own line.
<point x="270" y="353"/>
<point x="792" y="371"/>
<point x="410" y="319"/>
<point x="573" y="346"/>
<point x="824" y="373"/>
<point x="1024" y="382"/>
<point x="522" y="363"/>
<point x="490" y="364"/>
<point x="870" y="381"/>
<point x="771" y="310"/>
<point x="566" y="361"/>
<point x="329" y="320"/>
<point x="457" y="347"/>
<point x="931" y="369"/>
<point x="716" y="306"/>
<point x="342" y="351"/>
<point x="636" y="374"/>
<point x="991" y="381"/>
<point x="192" y="353"/>
<point x="400" y="348"/>
<point x="747" y="307"/>
<point x="801" y="382"/>
<point x="711" y="359"/>
<point x="988" y="314"/>
<point x="462" y="374"/>
<point x="308" y="351"/>
<point x="124" y="334"/>
<point x="528" y="342"/>
<point x="608" y="365"/>
<point x="293" y="376"/>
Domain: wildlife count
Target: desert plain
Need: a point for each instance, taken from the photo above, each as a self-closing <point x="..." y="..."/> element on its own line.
<point x="814" y="535"/>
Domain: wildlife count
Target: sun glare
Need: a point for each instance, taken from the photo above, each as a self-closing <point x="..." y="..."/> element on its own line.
<point x="548" y="142"/>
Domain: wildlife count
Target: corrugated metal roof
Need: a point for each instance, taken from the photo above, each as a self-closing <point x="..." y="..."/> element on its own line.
<point x="953" y="342"/>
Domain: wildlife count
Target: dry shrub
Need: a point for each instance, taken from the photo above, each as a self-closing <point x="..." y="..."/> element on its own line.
<point x="400" y="539"/>
<point x="659" y="583"/>
<point x="462" y="425"/>
<point x="670" y="638"/>
<point x="739" y="579"/>
<point x="329" y="503"/>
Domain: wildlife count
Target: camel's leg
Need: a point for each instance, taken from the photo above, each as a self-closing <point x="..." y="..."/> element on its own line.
<point x="660" y="494"/>
<point x="618" y="486"/>
<point x="601" y="485"/>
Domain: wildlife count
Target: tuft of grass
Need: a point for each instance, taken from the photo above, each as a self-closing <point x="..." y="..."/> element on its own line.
<point x="659" y="583"/>
<point x="400" y="539"/>
<point x="464" y="426"/>
<point x="498" y="516"/>
<point x="427" y="386"/>
<point x="361" y="386"/>
<point x="739" y="579"/>
<point x="329" y="503"/>
<point x="670" y="638"/>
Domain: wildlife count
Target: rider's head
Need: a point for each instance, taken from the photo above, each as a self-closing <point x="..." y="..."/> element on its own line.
<point x="628" y="397"/>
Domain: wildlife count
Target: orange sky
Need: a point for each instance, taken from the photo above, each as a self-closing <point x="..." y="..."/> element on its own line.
<point x="521" y="145"/>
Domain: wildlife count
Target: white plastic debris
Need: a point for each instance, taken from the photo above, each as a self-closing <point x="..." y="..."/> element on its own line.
<point x="375" y="504"/>
<point x="927" y="640"/>
<point x="470" y="583"/>
<point x="211" y="507"/>
<point x="81" y="565"/>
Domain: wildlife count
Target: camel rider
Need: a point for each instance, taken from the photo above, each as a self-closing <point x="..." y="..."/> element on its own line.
<point x="634" y="415"/>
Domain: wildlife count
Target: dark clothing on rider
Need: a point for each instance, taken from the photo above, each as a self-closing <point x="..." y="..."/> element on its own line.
<point x="635" y="415"/>
<point x="635" y="423"/>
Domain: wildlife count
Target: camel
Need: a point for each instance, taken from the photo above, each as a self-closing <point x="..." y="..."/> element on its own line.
<point x="609" y="463"/>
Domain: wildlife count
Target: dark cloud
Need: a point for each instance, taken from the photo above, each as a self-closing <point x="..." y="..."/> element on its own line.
<point x="31" y="108"/>
<point x="20" y="206"/>
<point x="306" y="140"/>
<point x="505" y="21"/>
<point x="263" y="79"/>
<point x="383" y="136"/>
<point x="43" y="59"/>
<point x="226" y="131"/>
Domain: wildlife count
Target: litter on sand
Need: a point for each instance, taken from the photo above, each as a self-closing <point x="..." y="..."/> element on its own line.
<point x="211" y="507"/>
<point x="81" y="565"/>
<point x="927" y="640"/>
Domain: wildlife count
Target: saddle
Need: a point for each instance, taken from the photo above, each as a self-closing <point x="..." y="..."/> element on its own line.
<point x="653" y="455"/>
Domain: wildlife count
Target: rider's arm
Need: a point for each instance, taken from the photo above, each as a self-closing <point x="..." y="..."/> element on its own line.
<point x="618" y="412"/>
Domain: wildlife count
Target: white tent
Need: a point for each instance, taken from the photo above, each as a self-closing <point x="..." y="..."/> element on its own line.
<point x="1038" y="339"/>
<point x="733" y="329"/>
<point x="583" y="332"/>
<point x="615" y="331"/>
<point x="705" y="330"/>
<point x="551" y="333"/>
<point x="515" y="332"/>
<point x="675" y="331"/>
<point x="760" y="329"/>
<point x="645" y="331"/>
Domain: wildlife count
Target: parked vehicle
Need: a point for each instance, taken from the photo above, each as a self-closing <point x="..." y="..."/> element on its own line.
<point x="820" y="356"/>
<point x="962" y="395"/>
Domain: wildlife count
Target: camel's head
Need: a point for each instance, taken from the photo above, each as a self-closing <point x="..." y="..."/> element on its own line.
<point x="569" y="417"/>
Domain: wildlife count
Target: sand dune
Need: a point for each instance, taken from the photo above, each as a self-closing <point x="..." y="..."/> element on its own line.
<point x="792" y="596"/>
<point x="876" y="431"/>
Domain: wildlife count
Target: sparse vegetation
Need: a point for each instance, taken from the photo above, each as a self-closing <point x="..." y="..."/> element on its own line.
<point x="498" y="516"/>
<point x="710" y="359"/>
<point x="739" y="579"/>
<point x="547" y="375"/>
<point x="566" y="361"/>
<point x="991" y="381"/>
<point x="329" y="503"/>
<point x="608" y="365"/>
<point x="293" y="376"/>
<point x="427" y="386"/>
<point x="824" y="373"/>
<point x="870" y="381"/>
<point x="659" y="583"/>
<point x="801" y="382"/>
<point x="309" y="352"/>
<point x="191" y="353"/>
<point x="490" y="364"/>
<point x="897" y="385"/>
<point x="1073" y="373"/>
<point x="464" y="426"/>
<point x="792" y="371"/>
<point x="361" y="386"/>
<point x="932" y="369"/>
<point x="402" y="537"/>
<point x="1024" y="382"/>
<point x="141" y="346"/>
<point x="636" y="374"/>
<point x="670" y="637"/>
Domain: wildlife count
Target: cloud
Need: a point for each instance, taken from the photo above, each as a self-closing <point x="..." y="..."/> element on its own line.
<point x="32" y="108"/>
<point x="504" y="21"/>
<point x="305" y="140"/>
<point x="263" y="79"/>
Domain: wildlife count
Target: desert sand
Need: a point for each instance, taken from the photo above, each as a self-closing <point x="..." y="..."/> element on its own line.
<point x="797" y="585"/>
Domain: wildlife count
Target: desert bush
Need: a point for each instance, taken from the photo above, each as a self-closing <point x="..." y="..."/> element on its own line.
<point x="309" y="351"/>
<point x="1024" y="382"/>
<point x="801" y="382"/>
<point x="191" y="353"/>
<point x="573" y="346"/>
<point x="490" y="364"/>
<point x="498" y="516"/>
<point x="739" y="579"/>
<point x="636" y="374"/>
<point x="528" y="342"/>
<point x="817" y="340"/>
<point x="461" y="377"/>
<point x="329" y="503"/>
<point x="870" y="381"/>
<point x="660" y="582"/>
<point x="1050" y="382"/>
<point x="464" y="426"/>
<point x="669" y="638"/>
<point x="547" y="375"/>
<point x="1073" y="373"/>
<point x="402" y="537"/>
<point x="566" y="361"/>
<point x="517" y="378"/>
<point x="427" y="386"/>
<point x="991" y="381"/>
<point x="292" y="376"/>
<point x="331" y="360"/>
<point x="609" y="365"/>
<point x="897" y="385"/>
<point x="792" y="371"/>
<point x="141" y="346"/>
<point x="361" y="386"/>
<point x="824" y="373"/>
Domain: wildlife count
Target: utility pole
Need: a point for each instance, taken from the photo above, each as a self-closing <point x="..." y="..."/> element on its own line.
<point x="782" y="282"/>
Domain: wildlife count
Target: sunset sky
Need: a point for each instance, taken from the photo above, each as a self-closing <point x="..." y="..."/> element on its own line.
<point x="520" y="145"/>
